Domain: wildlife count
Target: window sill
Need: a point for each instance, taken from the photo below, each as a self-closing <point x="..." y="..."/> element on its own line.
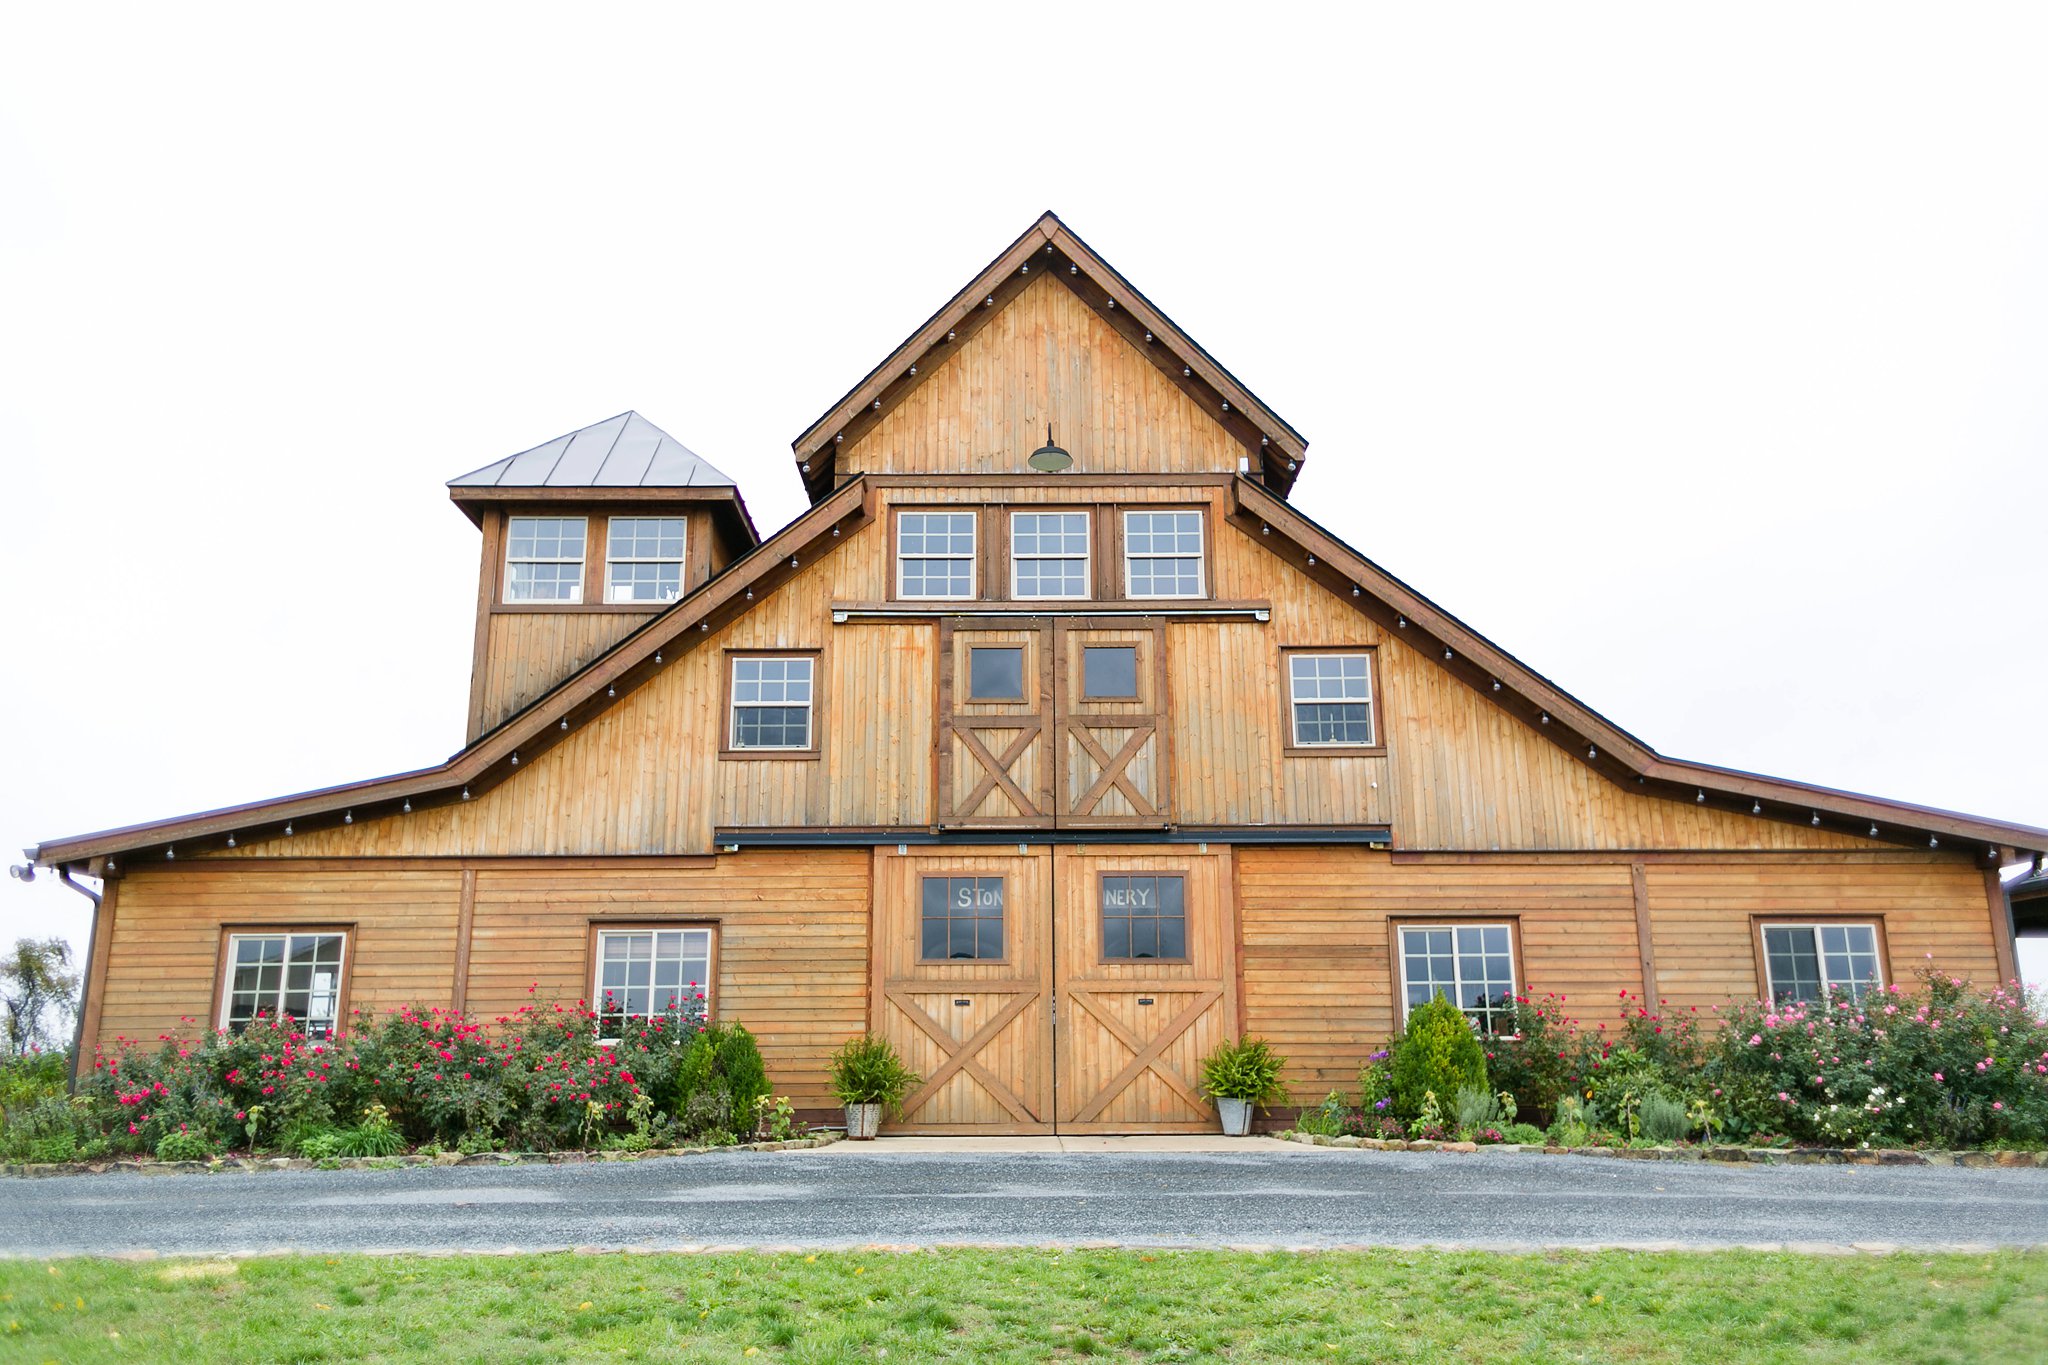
<point x="729" y="754"/>
<point x="596" y="608"/>
<point x="1334" y="750"/>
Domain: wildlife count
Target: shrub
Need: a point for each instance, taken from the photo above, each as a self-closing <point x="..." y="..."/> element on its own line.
<point x="1663" y="1119"/>
<point x="1247" y="1070"/>
<point x="187" y="1145"/>
<point x="1943" y="1066"/>
<point x="1476" y="1108"/>
<point x="1527" y="1134"/>
<point x="866" y="1070"/>
<point x="1376" y="1083"/>
<point x="319" y="1144"/>
<point x="1438" y="1054"/>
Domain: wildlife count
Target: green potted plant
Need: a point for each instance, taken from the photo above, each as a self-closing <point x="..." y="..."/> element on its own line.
<point x="1239" y="1075"/>
<point x="868" y="1077"/>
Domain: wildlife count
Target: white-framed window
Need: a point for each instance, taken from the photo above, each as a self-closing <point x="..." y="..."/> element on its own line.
<point x="1048" y="554"/>
<point x="1163" y="554"/>
<point x="1472" y="965"/>
<point x="772" y="702"/>
<point x="643" y="559"/>
<point x="285" y="974"/>
<point x="544" y="559"/>
<point x="1330" y="699"/>
<point x="651" y="970"/>
<point x="1802" y="961"/>
<point x="935" y="554"/>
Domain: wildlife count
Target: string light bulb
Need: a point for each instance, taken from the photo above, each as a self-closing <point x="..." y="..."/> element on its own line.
<point x="231" y="841"/>
<point x="1591" y="753"/>
<point x="465" y="793"/>
<point x="348" y="817"/>
<point x="1755" y="807"/>
<point x="406" y="809"/>
<point x="1543" y="719"/>
<point x="287" y="829"/>
<point x="1816" y="819"/>
<point x="1873" y="831"/>
<point x="515" y="758"/>
<point x="1699" y="797"/>
<point x="565" y="722"/>
<point x="1933" y="842"/>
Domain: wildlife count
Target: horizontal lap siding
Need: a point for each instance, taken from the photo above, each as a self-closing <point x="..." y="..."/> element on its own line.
<point x="167" y="925"/>
<point x="1934" y="913"/>
<point x="1318" y="978"/>
<point x="792" y="944"/>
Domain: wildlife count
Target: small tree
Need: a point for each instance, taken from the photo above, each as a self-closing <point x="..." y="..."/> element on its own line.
<point x="1438" y="1055"/>
<point x="38" y="995"/>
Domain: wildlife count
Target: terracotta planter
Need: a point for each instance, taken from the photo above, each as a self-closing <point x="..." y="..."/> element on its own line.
<point x="1236" y="1116"/>
<point x="863" y="1121"/>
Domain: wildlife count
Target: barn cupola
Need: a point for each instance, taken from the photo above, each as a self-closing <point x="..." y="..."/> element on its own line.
<point x="584" y="538"/>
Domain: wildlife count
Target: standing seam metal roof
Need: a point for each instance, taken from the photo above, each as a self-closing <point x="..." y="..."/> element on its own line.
<point x="626" y="451"/>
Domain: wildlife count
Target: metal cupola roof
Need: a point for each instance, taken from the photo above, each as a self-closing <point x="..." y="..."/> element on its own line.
<point x="626" y="451"/>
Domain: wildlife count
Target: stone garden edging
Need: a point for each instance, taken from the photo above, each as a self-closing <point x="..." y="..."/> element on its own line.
<point x="244" y="1164"/>
<point x="1762" y="1156"/>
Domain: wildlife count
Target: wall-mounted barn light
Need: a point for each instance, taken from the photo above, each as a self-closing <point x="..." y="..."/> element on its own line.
<point x="1049" y="458"/>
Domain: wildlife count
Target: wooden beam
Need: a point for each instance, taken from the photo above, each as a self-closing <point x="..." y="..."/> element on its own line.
<point x="1639" y="882"/>
<point x="96" y="976"/>
<point x="465" y="918"/>
<point x="2003" y="940"/>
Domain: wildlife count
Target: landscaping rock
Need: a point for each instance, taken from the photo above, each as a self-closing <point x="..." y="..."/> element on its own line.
<point x="1348" y="1140"/>
<point x="1422" y="1146"/>
<point x="1459" y="1147"/>
<point x="1727" y="1153"/>
<point x="1978" y="1160"/>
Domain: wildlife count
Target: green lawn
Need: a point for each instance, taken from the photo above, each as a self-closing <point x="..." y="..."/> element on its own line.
<point x="1035" y="1305"/>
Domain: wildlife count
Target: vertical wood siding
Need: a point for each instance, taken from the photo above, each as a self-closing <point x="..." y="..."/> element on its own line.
<point x="1044" y="358"/>
<point x="526" y="653"/>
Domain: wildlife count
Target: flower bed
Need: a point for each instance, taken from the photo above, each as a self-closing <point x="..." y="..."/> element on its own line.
<point x="1940" y="1067"/>
<point x="540" y="1079"/>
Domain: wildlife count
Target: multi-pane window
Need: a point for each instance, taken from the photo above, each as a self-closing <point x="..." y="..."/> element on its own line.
<point x="644" y="559"/>
<point x="1144" y="918"/>
<point x="1331" y="697"/>
<point x="1803" y="961"/>
<point x="1048" y="554"/>
<point x="643" y="972"/>
<point x="962" y="918"/>
<point x="1473" y="965"/>
<point x="284" y="975"/>
<point x="1163" y="554"/>
<point x="771" y="702"/>
<point x="995" y="673"/>
<point x="935" y="554"/>
<point x="544" y="559"/>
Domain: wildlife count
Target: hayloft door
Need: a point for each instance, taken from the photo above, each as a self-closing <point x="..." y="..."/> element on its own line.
<point x="1110" y="699"/>
<point x="995" y="759"/>
<point x="962" y="957"/>
<point x="1147" y="984"/>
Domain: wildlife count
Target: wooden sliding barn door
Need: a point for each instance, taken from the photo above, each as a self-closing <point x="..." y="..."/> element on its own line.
<point x="1110" y="699"/>
<point x="995" y="758"/>
<point x="1147" y="984"/>
<point x="963" y="986"/>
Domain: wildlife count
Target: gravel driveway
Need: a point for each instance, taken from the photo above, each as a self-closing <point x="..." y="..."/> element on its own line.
<point x="1303" y="1197"/>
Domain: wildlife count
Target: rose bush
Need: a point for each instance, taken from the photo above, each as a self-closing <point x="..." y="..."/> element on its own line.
<point x="539" y="1078"/>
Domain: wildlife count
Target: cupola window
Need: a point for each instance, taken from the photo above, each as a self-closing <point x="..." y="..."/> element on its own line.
<point x="544" y="559"/>
<point x="644" y="560"/>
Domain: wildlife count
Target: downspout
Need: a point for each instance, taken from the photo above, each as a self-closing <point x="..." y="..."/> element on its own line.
<point x="92" y="933"/>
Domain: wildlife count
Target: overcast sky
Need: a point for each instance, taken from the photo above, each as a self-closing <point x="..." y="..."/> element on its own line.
<point x="1699" y="361"/>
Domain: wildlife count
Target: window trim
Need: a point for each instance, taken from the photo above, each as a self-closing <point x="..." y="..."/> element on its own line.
<point x="1187" y="958"/>
<point x="919" y="960"/>
<point x="1759" y="923"/>
<point x="223" y="978"/>
<point x="896" y="557"/>
<point x="582" y="562"/>
<point x="593" y="963"/>
<point x="681" y="561"/>
<point x="1473" y="920"/>
<point x="1010" y="556"/>
<point x="1376" y="749"/>
<point x="727" y="749"/>
<point x="1203" y="590"/>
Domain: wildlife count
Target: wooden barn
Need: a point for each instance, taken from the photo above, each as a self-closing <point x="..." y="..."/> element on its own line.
<point x="1056" y="741"/>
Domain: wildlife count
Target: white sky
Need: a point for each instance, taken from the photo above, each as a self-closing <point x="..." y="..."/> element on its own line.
<point x="1698" y="359"/>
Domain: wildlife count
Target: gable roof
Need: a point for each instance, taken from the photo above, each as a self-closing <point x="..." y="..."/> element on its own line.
<point x="1467" y="655"/>
<point x="1275" y="450"/>
<point x="1586" y="734"/>
<point x="626" y="451"/>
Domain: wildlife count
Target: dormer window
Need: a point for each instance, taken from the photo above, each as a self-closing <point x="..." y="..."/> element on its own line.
<point x="544" y="559"/>
<point x="644" y="560"/>
<point x="1048" y="554"/>
<point x="1163" y="554"/>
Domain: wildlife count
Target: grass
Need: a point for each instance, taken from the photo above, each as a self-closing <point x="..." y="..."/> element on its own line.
<point x="1035" y="1305"/>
